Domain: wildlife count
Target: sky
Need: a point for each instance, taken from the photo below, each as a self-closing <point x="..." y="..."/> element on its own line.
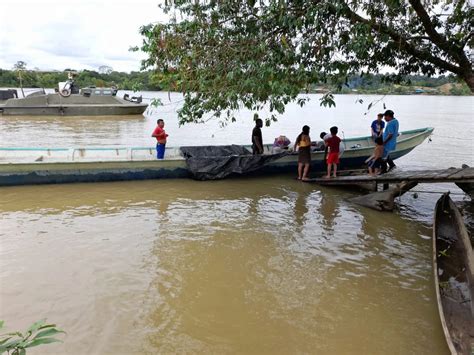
<point x="75" y="34"/>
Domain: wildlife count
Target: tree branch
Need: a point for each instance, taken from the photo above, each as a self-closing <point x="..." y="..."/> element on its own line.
<point x="449" y="48"/>
<point x="404" y="43"/>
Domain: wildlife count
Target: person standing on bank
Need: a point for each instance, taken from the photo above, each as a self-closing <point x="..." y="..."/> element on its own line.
<point x="160" y="135"/>
<point x="377" y="126"/>
<point x="390" y="135"/>
<point x="303" y="145"/>
<point x="257" y="141"/>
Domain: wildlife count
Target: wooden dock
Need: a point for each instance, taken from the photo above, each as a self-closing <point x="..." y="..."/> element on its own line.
<point x="403" y="180"/>
<point x="462" y="175"/>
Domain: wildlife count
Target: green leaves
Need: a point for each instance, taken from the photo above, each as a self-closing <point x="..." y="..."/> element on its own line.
<point x="225" y="55"/>
<point x="35" y="326"/>
<point x="40" y="341"/>
<point x="37" y="334"/>
<point x="327" y="100"/>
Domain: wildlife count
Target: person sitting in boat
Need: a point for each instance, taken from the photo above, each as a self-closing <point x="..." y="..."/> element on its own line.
<point x="375" y="160"/>
<point x="280" y="144"/>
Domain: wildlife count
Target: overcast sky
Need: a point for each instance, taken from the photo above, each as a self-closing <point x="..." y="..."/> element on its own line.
<point x="76" y="34"/>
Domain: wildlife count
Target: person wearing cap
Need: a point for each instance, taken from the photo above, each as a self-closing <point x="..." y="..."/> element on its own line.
<point x="390" y="135"/>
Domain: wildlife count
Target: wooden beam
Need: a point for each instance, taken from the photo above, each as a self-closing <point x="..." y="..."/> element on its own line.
<point x="384" y="200"/>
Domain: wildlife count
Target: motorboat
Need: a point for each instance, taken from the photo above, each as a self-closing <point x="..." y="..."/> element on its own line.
<point x="68" y="100"/>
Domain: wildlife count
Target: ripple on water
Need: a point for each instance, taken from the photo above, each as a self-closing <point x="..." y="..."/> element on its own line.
<point x="278" y="270"/>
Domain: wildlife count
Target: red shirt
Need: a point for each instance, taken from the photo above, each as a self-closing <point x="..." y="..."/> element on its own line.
<point x="333" y="143"/>
<point x="160" y="134"/>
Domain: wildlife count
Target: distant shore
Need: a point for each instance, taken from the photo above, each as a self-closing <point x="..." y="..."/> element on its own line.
<point x="368" y="84"/>
<point x="448" y="89"/>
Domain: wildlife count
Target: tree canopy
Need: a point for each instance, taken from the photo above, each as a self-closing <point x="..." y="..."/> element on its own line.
<point x="226" y="54"/>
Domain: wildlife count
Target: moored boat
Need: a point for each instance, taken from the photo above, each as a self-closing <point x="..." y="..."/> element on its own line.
<point x="453" y="265"/>
<point x="20" y="166"/>
<point x="70" y="101"/>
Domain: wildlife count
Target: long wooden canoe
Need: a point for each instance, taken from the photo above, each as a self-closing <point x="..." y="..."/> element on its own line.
<point x="36" y="165"/>
<point x="453" y="265"/>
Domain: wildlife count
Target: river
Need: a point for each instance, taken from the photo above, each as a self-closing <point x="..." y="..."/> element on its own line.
<point x="246" y="265"/>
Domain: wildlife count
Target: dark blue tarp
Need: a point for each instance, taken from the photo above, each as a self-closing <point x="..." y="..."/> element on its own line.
<point x="217" y="162"/>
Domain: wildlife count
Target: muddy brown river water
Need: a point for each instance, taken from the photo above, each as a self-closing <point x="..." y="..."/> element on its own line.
<point x="249" y="265"/>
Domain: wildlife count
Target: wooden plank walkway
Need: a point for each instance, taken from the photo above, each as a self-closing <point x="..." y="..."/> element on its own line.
<point x="395" y="176"/>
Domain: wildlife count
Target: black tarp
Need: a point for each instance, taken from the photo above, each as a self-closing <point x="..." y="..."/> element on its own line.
<point x="217" y="162"/>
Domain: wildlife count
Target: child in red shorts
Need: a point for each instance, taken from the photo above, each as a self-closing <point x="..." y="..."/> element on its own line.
<point x="333" y="156"/>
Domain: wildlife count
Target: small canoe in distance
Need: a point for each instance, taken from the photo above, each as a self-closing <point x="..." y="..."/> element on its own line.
<point x="453" y="265"/>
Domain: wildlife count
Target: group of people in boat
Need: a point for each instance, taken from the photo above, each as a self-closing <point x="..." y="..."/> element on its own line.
<point x="384" y="136"/>
<point x="383" y="133"/>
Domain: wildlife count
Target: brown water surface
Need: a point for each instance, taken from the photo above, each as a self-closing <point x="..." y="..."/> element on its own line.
<point x="265" y="265"/>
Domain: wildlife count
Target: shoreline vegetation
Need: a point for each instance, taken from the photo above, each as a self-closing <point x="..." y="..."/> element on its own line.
<point x="153" y="81"/>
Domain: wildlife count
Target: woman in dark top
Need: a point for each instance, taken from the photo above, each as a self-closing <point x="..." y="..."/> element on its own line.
<point x="303" y="145"/>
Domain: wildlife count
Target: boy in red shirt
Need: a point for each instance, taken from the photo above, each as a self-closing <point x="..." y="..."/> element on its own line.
<point x="160" y="135"/>
<point x="333" y="156"/>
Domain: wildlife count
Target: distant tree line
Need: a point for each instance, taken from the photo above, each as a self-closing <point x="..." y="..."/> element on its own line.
<point x="153" y="81"/>
<point x="405" y="84"/>
<point x="41" y="79"/>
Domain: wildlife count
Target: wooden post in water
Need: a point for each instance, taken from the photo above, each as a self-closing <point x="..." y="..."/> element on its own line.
<point x="384" y="200"/>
